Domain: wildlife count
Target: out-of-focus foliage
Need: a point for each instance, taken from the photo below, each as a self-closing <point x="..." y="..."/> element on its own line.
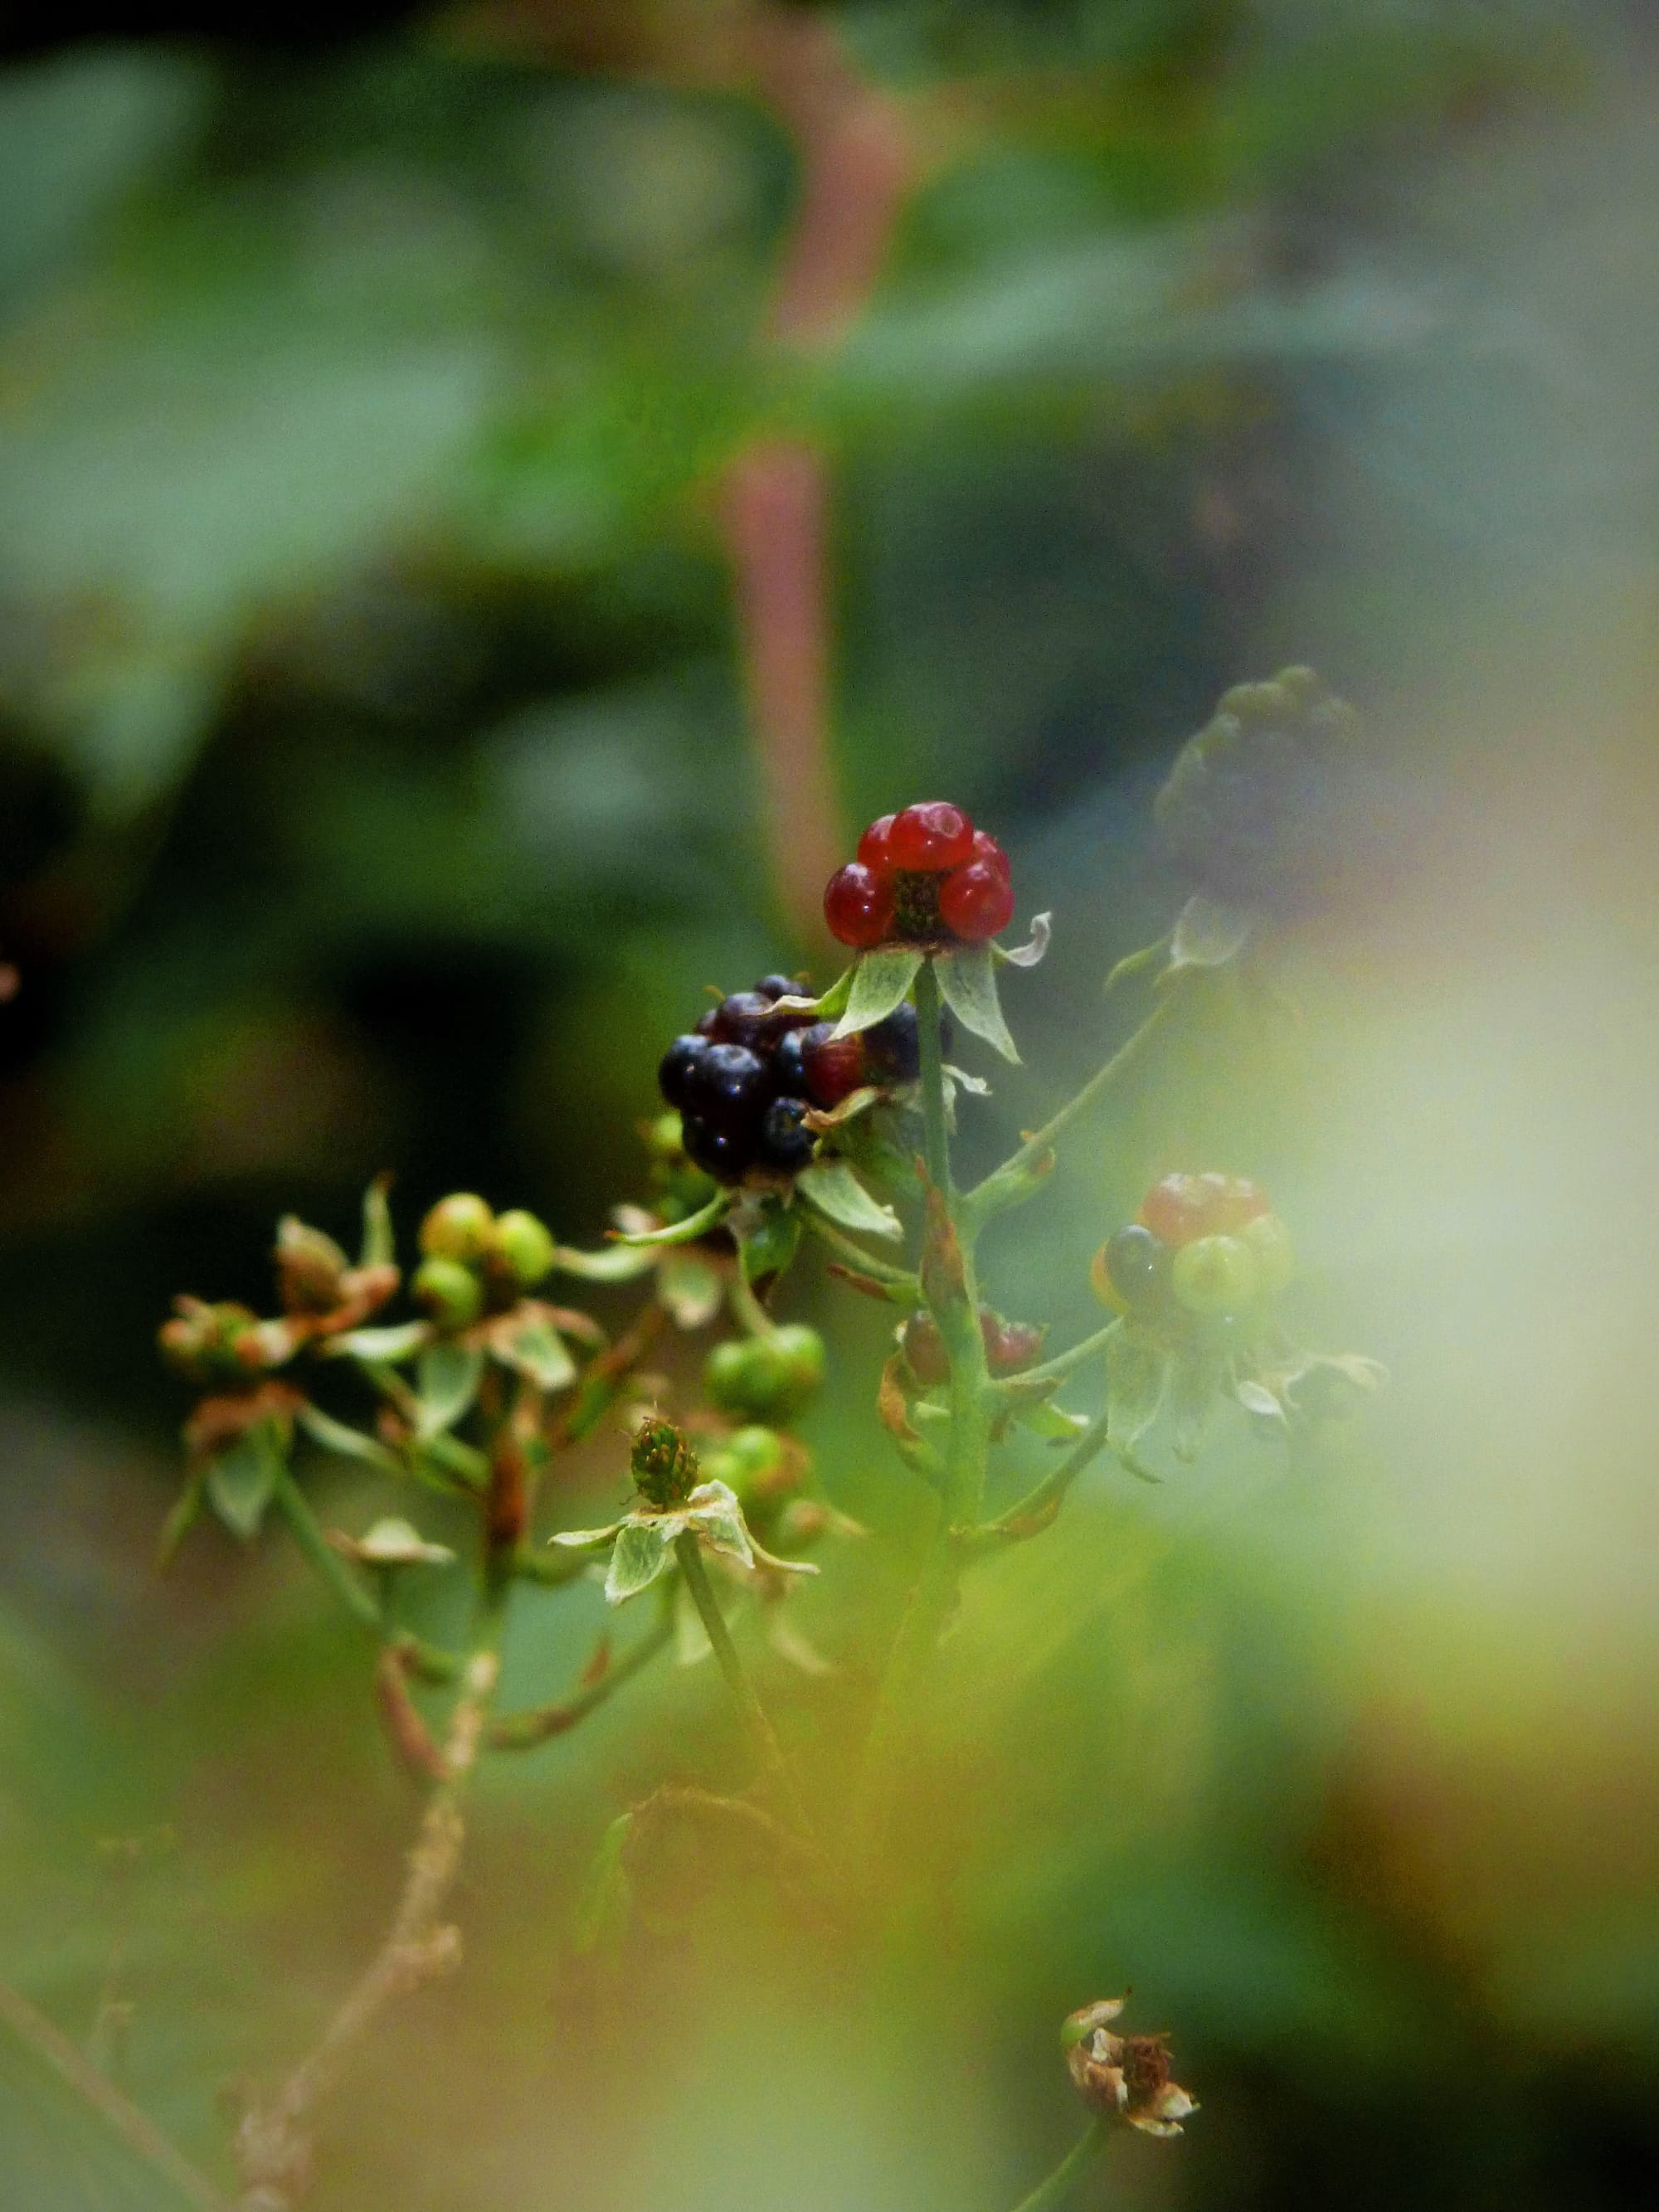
<point x="375" y="790"/>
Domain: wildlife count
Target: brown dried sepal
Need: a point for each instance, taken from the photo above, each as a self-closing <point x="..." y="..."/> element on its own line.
<point x="219" y="1420"/>
<point x="1124" y="2078"/>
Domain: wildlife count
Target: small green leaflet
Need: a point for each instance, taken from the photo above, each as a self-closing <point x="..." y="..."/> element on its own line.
<point x="447" y="1381"/>
<point x="644" y="1550"/>
<point x="351" y="1443"/>
<point x="242" y="1479"/>
<point x="1207" y="933"/>
<point x="607" y="1899"/>
<point x="380" y="1246"/>
<point x="881" y="981"/>
<point x="532" y="1347"/>
<point x="836" y="1191"/>
<point x="616" y="1264"/>
<point x="968" y="985"/>
<point x="1136" y="1373"/>
<point x="394" y="1343"/>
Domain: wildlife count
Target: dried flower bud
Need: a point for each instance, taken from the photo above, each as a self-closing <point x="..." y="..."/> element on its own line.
<point x="665" y="1464"/>
<point x="1123" y="2077"/>
<point x="200" y="1342"/>
<point x="311" y="1268"/>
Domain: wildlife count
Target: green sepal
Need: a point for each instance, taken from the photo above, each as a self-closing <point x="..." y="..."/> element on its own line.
<point x="1196" y="1377"/>
<point x="446" y="1382"/>
<point x="1136" y="1375"/>
<point x="340" y="1437"/>
<point x="828" y="1004"/>
<point x="379" y="1245"/>
<point x="1137" y="964"/>
<point x="182" y="1517"/>
<point x="616" y="1264"/>
<point x="968" y="985"/>
<point x="396" y="1342"/>
<point x="242" y="1479"/>
<point x="1208" y="934"/>
<point x="644" y="1550"/>
<point x="881" y="981"/>
<point x="528" y="1343"/>
<point x="690" y="1288"/>
<point x="588" y="1540"/>
<point x="606" y="1904"/>
<point x="1044" y="1419"/>
<point x="771" y="1245"/>
<point x="448" y="1464"/>
<point x="680" y="1232"/>
<point x="837" y="1193"/>
<point x="720" y="1522"/>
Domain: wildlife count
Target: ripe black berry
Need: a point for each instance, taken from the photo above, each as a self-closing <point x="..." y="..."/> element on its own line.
<point x="835" y="1066"/>
<point x="892" y="1049"/>
<point x="724" y="1153"/>
<point x="729" y="1084"/>
<point x="707" y="1024"/>
<point x="674" y="1069"/>
<point x="1137" y="1264"/>
<point x="777" y="986"/>
<point x="787" y="1143"/>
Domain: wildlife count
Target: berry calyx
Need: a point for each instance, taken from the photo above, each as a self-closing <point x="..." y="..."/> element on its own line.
<point x="1214" y="1275"/>
<point x="976" y="902"/>
<point x="929" y="837"/>
<point x="857" y="906"/>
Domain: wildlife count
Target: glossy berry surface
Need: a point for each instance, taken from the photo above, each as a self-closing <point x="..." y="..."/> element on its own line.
<point x="724" y="1153"/>
<point x="777" y="986"/>
<point x="976" y="902"/>
<point x="832" y="1068"/>
<point x="929" y="838"/>
<point x="988" y="853"/>
<point x="1131" y="1269"/>
<point x="893" y="1047"/>
<point x="857" y="906"/>
<point x="674" y="1069"/>
<point x="786" y="1142"/>
<point x="1269" y="1240"/>
<point x="1175" y="1209"/>
<point x="872" y="846"/>
<point x="728" y="1084"/>
<point x="1010" y="1346"/>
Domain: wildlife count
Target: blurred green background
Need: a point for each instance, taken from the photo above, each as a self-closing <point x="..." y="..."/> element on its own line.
<point x="381" y="780"/>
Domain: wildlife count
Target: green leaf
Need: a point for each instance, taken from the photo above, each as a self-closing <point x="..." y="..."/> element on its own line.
<point x="1136" y="1373"/>
<point x="241" y="1480"/>
<point x="446" y="1381"/>
<point x="1208" y="934"/>
<point x="1044" y="1419"/>
<point x="644" y="1550"/>
<point x="1196" y="1377"/>
<point x="586" y="1540"/>
<point x="836" y="1191"/>
<point x="618" y="1263"/>
<point x="340" y="1437"/>
<point x="881" y="981"/>
<point x="446" y="1460"/>
<point x="1256" y="1398"/>
<point x="379" y="1246"/>
<point x="770" y="1247"/>
<point x="690" y="1288"/>
<point x="968" y="985"/>
<point x="396" y="1342"/>
<point x="607" y="1897"/>
<point x="182" y="1517"/>
<point x="530" y="1344"/>
<point x="680" y="1232"/>
<point x="716" y="1516"/>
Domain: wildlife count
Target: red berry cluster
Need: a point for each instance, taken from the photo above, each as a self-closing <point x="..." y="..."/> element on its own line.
<point x="744" y="1078"/>
<point x="922" y="877"/>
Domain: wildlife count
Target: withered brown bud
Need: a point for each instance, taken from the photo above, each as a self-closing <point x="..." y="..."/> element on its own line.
<point x="311" y="1268"/>
<point x="665" y="1464"/>
<point x="1123" y="2077"/>
<point x="201" y="1341"/>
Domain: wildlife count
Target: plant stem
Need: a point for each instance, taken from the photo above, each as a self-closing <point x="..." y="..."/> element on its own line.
<point x="1038" y="1507"/>
<point x="1006" y="1185"/>
<point x="274" y="2139"/>
<point x="1050" y="2195"/>
<point x="140" y="2134"/>
<point x="523" y="1731"/>
<point x="1056" y="1370"/>
<point x="307" y="1533"/>
<point x="936" y="1143"/>
<point x="689" y="1556"/>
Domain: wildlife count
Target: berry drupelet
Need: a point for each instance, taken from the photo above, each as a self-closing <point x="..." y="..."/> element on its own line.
<point x="744" y="1078"/>
<point x="924" y="876"/>
<point x="1202" y="1245"/>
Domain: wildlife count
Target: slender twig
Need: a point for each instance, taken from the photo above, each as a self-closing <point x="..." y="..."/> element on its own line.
<point x="687" y="1551"/>
<point x="523" y="1731"/>
<point x="935" y="1124"/>
<point x="139" y="2133"/>
<point x="746" y="1308"/>
<point x="1050" y="2195"/>
<point x="1006" y="1184"/>
<point x="274" y="2140"/>
<point x="1023" y="1384"/>
<point x="307" y="1533"/>
<point x="880" y="1271"/>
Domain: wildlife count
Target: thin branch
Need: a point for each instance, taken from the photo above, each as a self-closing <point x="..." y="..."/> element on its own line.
<point x="306" y="1531"/>
<point x="523" y="1731"/>
<point x="880" y="1271"/>
<point x="1023" y="1384"/>
<point x="687" y="1551"/>
<point x="274" y="2140"/>
<point x="140" y="2134"/>
<point x="1050" y="2195"/>
<point x="1036" y="1512"/>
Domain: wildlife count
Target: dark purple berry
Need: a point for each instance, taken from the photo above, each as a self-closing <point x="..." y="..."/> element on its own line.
<point x="708" y="1026"/>
<point x="834" y="1066"/>
<point x="675" y="1068"/>
<point x="778" y="986"/>
<point x="892" y="1048"/>
<point x="746" y="1017"/>
<point x="1137" y="1264"/>
<point x="724" y="1153"/>
<point x="785" y="1141"/>
<point x="789" y="1060"/>
<point x="729" y="1085"/>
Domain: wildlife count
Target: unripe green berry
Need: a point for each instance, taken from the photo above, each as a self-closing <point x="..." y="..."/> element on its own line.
<point x="1214" y="1275"/>
<point x="754" y="1450"/>
<point x="766" y="1378"/>
<point x="1275" y="1255"/>
<point x="457" y="1227"/>
<point x="524" y="1246"/>
<point x="448" y="1293"/>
